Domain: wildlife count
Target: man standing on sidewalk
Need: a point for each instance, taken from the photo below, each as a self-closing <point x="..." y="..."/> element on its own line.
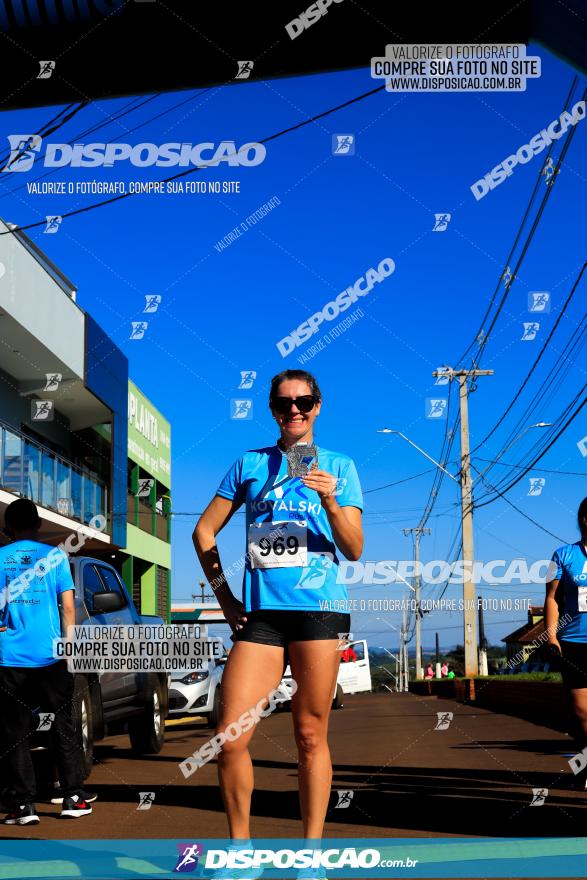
<point x="34" y="578"/>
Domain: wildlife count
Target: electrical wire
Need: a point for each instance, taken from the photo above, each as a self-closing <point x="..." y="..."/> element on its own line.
<point x="189" y="171"/>
<point x="537" y="470"/>
<point x="124" y="112"/>
<point x="536" y="361"/>
<point x="480" y="331"/>
<point x="397" y="482"/>
<point x="541" y="455"/>
<point x="6" y="162"/>
<point x="517" y="509"/>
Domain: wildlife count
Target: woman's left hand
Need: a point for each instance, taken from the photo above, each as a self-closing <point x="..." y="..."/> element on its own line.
<point x="321" y="482"/>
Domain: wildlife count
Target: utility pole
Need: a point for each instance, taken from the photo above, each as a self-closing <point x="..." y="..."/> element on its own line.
<point x="469" y="592"/>
<point x="400" y="680"/>
<point x="438" y="674"/>
<point x="416" y="532"/>
<point x="404" y="669"/>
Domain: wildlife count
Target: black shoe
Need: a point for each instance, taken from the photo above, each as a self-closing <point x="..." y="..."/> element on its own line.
<point x="23" y="815"/>
<point x="88" y="796"/>
<point x="74" y="807"/>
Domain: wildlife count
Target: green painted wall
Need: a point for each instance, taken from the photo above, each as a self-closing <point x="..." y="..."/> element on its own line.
<point x="149" y="436"/>
<point x="149" y="591"/>
<point x="145" y="546"/>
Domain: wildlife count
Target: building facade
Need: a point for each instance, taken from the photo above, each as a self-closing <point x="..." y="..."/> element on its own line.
<point x="147" y="566"/>
<point x="66" y="438"/>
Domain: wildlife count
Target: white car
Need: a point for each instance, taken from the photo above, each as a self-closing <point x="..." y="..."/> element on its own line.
<point x="354" y="673"/>
<point x="197" y="693"/>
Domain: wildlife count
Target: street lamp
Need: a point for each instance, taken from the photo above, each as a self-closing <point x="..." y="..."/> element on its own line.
<point x="521" y="434"/>
<point x="425" y="454"/>
<point x="465" y="481"/>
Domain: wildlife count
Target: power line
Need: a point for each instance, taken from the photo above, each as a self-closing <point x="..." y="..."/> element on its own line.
<point x="517" y="509"/>
<point x="537" y="360"/>
<point x="397" y="482"/>
<point x="537" y="470"/>
<point x="126" y="110"/>
<point x="529" y="467"/>
<point x="189" y="171"/>
<point x="483" y="342"/>
<point x="43" y="133"/>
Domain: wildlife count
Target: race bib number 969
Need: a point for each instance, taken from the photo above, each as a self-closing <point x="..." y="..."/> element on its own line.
<point x="278" y="544"/>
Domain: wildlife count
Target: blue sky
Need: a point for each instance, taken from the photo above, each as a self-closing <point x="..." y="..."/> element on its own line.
<point x="416" y="155"/>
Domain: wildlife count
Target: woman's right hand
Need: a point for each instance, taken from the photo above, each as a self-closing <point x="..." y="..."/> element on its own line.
<point x="234" y="612"/>
<point x="554" y="644"/>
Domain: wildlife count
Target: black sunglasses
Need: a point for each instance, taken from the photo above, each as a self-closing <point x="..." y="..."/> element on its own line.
<point x="304" y="403"/>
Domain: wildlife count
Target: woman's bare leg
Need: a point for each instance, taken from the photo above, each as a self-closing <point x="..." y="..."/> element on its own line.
<point x="314" y="667"/>
<point x="252" y="671"/>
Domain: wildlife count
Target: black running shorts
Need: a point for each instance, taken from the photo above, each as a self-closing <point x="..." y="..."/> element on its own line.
<point x="281" y="627"/>
<point x="573" y="665"/>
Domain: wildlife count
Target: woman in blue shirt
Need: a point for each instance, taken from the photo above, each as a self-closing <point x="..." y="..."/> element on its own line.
<point x="565" y="616"/>
<point x="293" y="607"/>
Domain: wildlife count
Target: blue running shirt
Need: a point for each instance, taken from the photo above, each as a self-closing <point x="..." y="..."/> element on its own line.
<point x="259" y="480"/>
<point x="28" y="605"/>
<point x="569" y="565"/>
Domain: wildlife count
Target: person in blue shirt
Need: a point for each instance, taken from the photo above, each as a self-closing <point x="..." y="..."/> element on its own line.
<point x="565" y="617"/>
<point x="34" y="579"/>
<point x="294" y="608"/>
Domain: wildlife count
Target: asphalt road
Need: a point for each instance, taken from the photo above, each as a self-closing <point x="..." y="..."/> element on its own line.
<point x="474" y="779"/>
